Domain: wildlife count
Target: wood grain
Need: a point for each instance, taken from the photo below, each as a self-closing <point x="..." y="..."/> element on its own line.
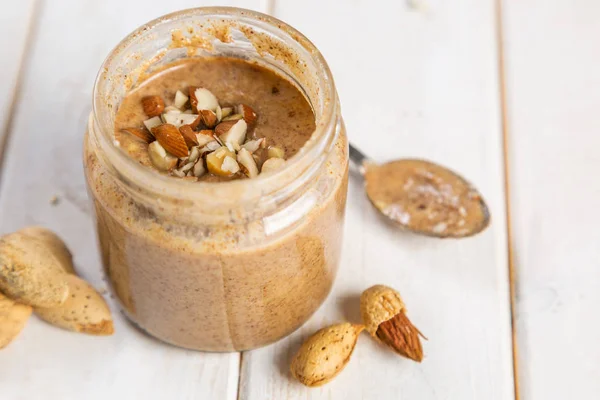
<point x="44" y="160"/>
<point x="413" y="82"/>
<point x="15" y="29"/>
<point x="553" y="76"/>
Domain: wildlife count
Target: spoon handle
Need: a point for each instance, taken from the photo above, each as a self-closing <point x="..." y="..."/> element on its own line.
<point x="357" y="157"/>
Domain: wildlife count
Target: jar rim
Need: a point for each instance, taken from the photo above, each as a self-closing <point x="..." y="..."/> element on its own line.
<point x="321" y="139"/>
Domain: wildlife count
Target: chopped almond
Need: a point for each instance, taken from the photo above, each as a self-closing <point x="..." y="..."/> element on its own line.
<point x="248" y="113"/>
<point x="171" y="139"/>
<point x="141" y="134"/>
<point x="189" y="135"/>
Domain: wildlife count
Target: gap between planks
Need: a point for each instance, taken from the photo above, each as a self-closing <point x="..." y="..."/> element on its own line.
<point x="11" y="111"/>
<point x="506" y="158"/>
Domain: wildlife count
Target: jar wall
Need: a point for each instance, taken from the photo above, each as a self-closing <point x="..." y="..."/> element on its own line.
<point x="223" y="266"/>
<point x="204" y="297"/>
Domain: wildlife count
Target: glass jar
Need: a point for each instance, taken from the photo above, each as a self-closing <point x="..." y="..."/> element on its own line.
<point x="219" y="266"/>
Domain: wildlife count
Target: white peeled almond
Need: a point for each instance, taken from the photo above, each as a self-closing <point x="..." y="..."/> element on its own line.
<point x="152" y="123"/>
<point x="206" y="100"/>
<point x="160" y="158"/>
<point x="13" y="317"/>
<point x="253" y="145"/>
<point x="180" y="99"/>
<point x="30" y="273"/>
<point x="272" y="164"/>
<point x="178" y="118"/>
<point x="84" y="311"/>
<point x="245" y="159"/>
<point x="54" y="243"/>
<point x="235" y="134"/>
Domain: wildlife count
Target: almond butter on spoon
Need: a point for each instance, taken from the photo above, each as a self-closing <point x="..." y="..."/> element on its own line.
<point x="423" y="197"/>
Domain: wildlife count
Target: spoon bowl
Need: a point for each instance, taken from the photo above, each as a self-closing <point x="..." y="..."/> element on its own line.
<point x="423" y="197"/>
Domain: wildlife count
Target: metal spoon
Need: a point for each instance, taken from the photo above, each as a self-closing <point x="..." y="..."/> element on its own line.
<point x="423" y="197"/>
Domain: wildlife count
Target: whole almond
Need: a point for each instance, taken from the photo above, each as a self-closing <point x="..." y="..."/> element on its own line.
<point x="153" y="105"/>
<point x="29" y="272"/>
<point x="171" y="139"/>
<point x="54" y="243"/>
<point x="248" y="113"/>
<point x="13" y="317"/>
<point x="140" y="133"/>
<point x="189" y="135"/>
<point x="84" y="311"/>
<point x="325" y="354"/>
<point x="384" y="315"/>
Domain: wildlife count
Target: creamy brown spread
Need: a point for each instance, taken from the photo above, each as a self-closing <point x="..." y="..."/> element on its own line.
<point x="427" y="198"/>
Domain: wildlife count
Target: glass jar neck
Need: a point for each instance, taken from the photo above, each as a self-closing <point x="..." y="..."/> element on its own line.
<point x="215" y="31"/>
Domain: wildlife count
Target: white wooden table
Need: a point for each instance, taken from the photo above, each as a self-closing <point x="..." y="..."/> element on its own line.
<point x="506" y="92"/>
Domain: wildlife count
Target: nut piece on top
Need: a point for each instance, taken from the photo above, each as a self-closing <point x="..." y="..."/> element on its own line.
<point x="84" y="311"/>
<point x="13" y="317"/>
<point x="29" y="272"/>
<point x="384" y="315"/>
<point x="325" y="354"/>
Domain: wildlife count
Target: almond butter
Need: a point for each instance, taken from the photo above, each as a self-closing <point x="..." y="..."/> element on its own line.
<point x="248" y="113"/>
<point x="325" y="354"/>
<point x="153" y="105"/>
<point x="171" y="140"/>
<point x="384" y="315"/>
<point x="189" y="135"/>
<point x="140" y="133"/>
<point x="13" y="317"/>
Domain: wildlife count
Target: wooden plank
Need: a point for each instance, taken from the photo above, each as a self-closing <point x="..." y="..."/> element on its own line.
<point x="44" y="160"/>
<point x="553" y="75"/>
<point x="413" y="82"/>
<point x="15" y="24"/>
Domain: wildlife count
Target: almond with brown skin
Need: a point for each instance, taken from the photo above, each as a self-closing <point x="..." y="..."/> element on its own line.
<point x="189" y="135"/>
<point x="224" y="127"/>
<point x="384" y="315"/>
<point x="209" y="118"/>
<point x="171" y="140"/>
<point x="248" y="113"/>
<point x="140" y="133"/>
<point x="153" y="105"/>
<point x="194" y="125"/>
